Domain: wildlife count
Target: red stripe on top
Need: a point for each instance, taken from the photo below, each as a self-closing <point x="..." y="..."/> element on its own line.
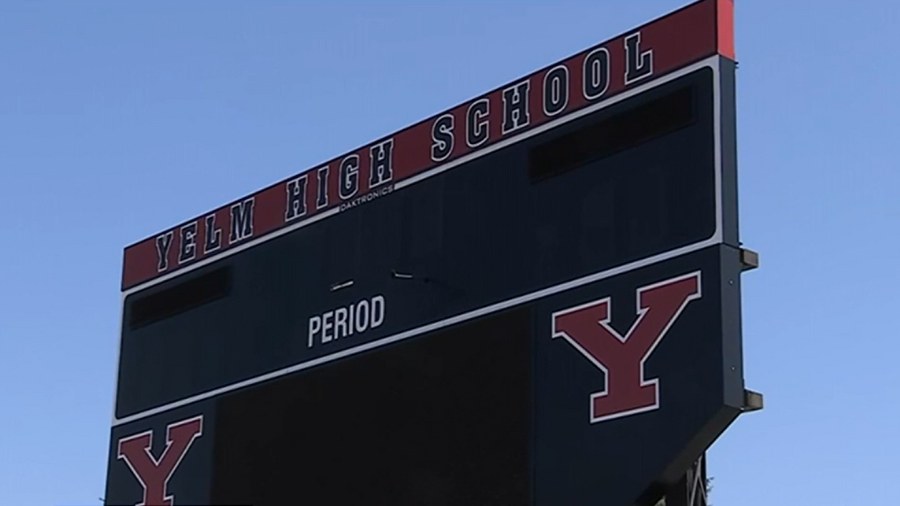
<point x="725" y="28"/>
<point x="676" y="40"/>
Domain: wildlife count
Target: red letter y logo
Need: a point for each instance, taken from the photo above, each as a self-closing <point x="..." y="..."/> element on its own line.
<point x="154" y="474"/>
<point x="621" y="358"/>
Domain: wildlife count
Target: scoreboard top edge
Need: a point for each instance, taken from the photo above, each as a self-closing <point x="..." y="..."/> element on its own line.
<point x="441" y="142"/>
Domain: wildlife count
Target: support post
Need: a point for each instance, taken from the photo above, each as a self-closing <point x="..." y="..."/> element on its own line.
<point x="691" y="489"/>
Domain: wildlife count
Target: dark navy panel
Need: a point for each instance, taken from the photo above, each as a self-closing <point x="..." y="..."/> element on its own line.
<point x="476" y="235"/>
<point x="489" y="411"/>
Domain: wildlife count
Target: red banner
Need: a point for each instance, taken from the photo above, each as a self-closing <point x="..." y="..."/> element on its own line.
<point x="683" y="37"/>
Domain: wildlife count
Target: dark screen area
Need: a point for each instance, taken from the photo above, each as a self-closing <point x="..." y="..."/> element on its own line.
<point x="179" y="298"/>
<point x="440" y="419"/>
<point x="611" y="135"/>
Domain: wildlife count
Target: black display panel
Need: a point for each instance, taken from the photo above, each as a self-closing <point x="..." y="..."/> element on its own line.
<point x="622" y="184"/>
<point x="444" y="419"/>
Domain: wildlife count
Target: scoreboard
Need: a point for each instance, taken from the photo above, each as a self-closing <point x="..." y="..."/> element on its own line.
<point x="532" y="298"/>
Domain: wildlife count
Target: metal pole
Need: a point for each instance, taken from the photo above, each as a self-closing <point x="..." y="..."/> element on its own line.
<point x="690" y="489"/>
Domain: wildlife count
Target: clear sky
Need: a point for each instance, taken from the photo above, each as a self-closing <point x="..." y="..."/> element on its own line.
<point x="120" y="119"/>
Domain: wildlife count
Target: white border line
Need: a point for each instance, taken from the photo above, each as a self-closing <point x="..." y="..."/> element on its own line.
<point x="712" y="62"/>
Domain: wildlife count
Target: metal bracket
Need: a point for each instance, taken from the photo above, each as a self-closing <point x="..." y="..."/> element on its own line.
<point x="401" y="275"/>
<point x="340" y="286"/>
<point x="753" y="401"/>
<point x="749" y="259"/>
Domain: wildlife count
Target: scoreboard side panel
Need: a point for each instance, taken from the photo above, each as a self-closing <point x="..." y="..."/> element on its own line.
<point x="637" y="375"/>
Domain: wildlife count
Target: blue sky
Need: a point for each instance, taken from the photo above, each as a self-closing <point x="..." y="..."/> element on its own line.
<point x="120" y="119"/>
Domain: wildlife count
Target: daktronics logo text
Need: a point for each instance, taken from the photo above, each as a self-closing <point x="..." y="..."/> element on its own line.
<point x="621" y="357"/>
